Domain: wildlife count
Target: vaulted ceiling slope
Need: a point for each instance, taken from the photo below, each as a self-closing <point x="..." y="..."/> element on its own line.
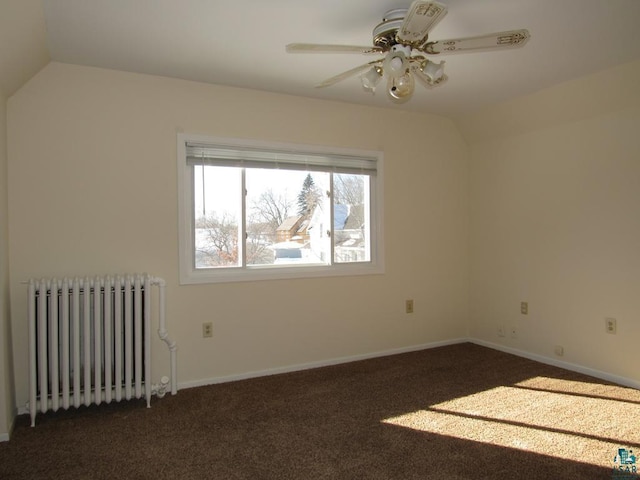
<point x="23" y="43"/>
<point x="241" y="43"/>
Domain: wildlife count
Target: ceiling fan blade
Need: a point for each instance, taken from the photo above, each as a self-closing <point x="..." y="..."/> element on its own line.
<point x="420" y="19"/>
<point x="320" y="48"/>
<point x="483" y="43"/>
<point x="349" y="73"/>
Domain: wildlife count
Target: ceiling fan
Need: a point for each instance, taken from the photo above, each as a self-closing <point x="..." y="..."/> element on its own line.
<point x="403" y="38"/>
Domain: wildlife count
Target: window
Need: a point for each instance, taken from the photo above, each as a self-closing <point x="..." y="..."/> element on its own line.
<point x="251" y="210"/>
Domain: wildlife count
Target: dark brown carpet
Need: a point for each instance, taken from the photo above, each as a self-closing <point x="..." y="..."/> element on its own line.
<point x="455" y="412"/>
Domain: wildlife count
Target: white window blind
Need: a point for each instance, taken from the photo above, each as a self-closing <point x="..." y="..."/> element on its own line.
<point x="250" y="157"/>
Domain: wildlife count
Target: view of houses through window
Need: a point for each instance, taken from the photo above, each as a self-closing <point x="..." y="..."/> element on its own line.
<point x="271" y="216"/>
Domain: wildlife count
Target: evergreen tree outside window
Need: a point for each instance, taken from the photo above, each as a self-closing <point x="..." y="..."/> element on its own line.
<point x="309" y="196"/>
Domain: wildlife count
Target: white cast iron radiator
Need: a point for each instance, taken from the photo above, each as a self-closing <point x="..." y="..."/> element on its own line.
<point x="90" y="341"/>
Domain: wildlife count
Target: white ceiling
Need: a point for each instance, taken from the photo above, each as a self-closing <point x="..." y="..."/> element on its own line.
<point x="242" y="43"/>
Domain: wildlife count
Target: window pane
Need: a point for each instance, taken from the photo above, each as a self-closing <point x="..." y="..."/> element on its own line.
<point x="217" y="210"/>
<point x="351" y="237"/>
<point x="280" y="207"/>
<point x="320" y="225"/>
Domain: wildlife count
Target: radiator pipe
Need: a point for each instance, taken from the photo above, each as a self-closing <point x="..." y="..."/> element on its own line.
<point x="164" y="335"/>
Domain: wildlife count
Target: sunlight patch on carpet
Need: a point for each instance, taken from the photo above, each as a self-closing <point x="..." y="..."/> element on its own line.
<point x="540" y="416"/>
<point x="590" y="389"/>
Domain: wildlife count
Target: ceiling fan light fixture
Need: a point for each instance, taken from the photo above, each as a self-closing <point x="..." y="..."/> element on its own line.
<point x="401" y="89"/>
<point x="424" y="79"/>
<point x="435" y="71"/>
<point x="371" y="79"/>
<point x="396" y="63"/>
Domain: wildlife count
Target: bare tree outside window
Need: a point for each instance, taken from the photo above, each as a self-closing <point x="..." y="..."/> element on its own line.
<point x="218" y="242"/>
<point x="348" y="189"/>
<point x="270" y="209"/>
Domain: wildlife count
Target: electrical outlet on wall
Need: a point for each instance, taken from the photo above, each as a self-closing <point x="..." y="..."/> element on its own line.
<point x="207" y="329"/>
<point x="610" y="325"/>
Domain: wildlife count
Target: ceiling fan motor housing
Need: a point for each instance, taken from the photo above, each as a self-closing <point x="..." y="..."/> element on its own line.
<point x="384" y="34"/>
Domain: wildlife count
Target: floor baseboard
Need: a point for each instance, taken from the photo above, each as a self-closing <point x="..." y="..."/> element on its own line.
<point x="318" y="364"/>
<point x="627" y="382"/>
<point x="6" y="436"/>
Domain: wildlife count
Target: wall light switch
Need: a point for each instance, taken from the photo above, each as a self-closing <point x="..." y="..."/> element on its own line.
<point x="408" y="306"/>
<point x="524" y="308"/>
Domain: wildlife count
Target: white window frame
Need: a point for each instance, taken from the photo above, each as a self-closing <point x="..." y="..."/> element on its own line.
<point x="189" y="274"/>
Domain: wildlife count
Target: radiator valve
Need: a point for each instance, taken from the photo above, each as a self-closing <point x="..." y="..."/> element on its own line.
<point x="161" y="389"/>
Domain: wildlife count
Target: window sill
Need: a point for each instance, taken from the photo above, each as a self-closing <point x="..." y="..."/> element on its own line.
<point x="202" y="276"/>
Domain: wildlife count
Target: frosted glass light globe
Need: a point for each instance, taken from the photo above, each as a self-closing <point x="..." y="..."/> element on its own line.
<point x="400" y="89"/>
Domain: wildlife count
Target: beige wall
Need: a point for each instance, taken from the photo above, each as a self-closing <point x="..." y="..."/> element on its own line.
<point x="546" y="206"/>
<point x="6" y="378"/>
<point x="92" y="162"/>
<point x="555" y="190"/>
